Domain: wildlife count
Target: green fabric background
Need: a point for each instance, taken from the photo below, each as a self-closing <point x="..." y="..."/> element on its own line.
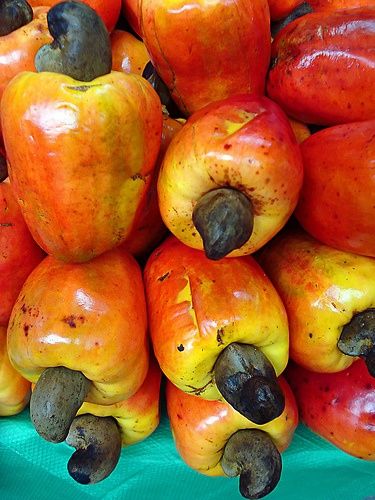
<point x="31" y="468"/>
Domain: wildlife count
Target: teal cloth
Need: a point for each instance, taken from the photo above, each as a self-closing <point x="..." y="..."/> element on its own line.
<point x="31" y="468"/>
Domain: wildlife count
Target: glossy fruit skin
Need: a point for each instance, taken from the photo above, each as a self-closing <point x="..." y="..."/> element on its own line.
<point x="321" y="288"/>
<point x="198" y="306"/>
<point x="332" y="5"/>
<point x="341" y="62"/>
<point x="14" y="389"/>
<point x="137" y="416"/>
<point x="244" y="142"/>
<point x="80" y="157"/>
<point x="88" y="317"/>
<point x="202" y="428"/>
<point x="131" y="11"/>
<point x="281" y="8"/>
<point x="19" y="254"/>
<point x="150" y="229"/>
<point x="337" y="202"/>
<point x="128" y="53"/>
<point x="196" y="67"/>
<point x="340" y="407"/>
<point x="18" y="49"/>
<point x="108" y="10"/>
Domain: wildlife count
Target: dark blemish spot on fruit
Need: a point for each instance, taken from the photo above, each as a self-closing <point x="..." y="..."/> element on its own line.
<point x="96" y="343"/>
<point x="219" y="336"/>
<point x="180" y="348"/>
<point x="72" y="320"/>
<point x="137" y="176"/>
<point x="227" y="146"/>
<point x="164" y="277"/>
<point x="326" y="388"/>
<point x="26" y="329"/>
<point x="310" y="335"/>
<point x="6" y="224"/>
<point x="80" y="88"/>
<point x="23" y="308"/>
<point x="179" y="416"/>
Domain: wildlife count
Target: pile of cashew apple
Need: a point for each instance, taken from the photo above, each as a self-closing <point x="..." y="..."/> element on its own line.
<point x="187" y="216"/>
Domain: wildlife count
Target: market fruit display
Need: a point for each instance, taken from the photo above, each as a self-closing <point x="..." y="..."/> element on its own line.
<point x="215" y="440"/>
<point x="196" y="69"/>
<point x="343" y="58"/>
<point x="231" y="177"/>
<point x="338" y="406"/>
<point x="337" y="201"/>
<point x="80" y="333"/>
<point x="186" y="228"/>
<point x="329" y="296"/>
<point x="219" y="330"/>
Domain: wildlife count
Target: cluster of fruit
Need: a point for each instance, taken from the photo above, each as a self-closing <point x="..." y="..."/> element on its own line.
<point x="193" y="197"/>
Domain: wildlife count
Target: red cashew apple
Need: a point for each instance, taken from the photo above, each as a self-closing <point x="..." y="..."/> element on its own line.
<point x="337" y="202"/>
<point x="231" y="176"/>
<point x="206" y="51"/>
<point x="329" y="296"/>
<point x="215" y="440"/>
<point x="219" y="329"/>
<point x="80" y="333"/>
<point x="340" y="407"/>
